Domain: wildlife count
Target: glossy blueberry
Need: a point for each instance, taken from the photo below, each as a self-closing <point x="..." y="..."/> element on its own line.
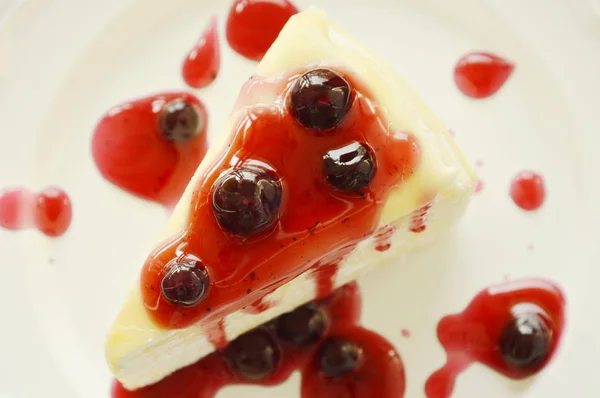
<point x="525" y="341"/>
<point x="254" y="355"/>
<point x="185" y="282"/>
<point x="350" y="168"/>
<point x="320" y="99"/>
<point x="179" y="120"/>
<point x="303" y="326"/>
<point x="246" y="200"/>
<point x="338" y="356"/>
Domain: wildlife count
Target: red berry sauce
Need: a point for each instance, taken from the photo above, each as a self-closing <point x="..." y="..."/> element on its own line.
<point x="253" y="25"/>
<point x="201" y="66"/>
<point x="378" y="373"/>
<point x="317" y="226"/>
<point x="475" y="335"/>
<point x="49" y="211"/>
<point x="527" y="190"/>
<point x="480" y="74"/>
<point x="132" y="151"/>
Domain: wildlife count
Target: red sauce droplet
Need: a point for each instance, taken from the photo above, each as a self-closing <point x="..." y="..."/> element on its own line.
<point x="130" y="151"/>
<point x="527" y="190"/>
<point x="380" y="373"/>
<point x="201" y="66"/>
<point x="474" y="334"/>
<point x="311" y="233"/>
<point x="253" y="25"/>
<point x="480" y="74"/>
<point x="479" y="186"/>
<point x="49" y="210"/>
<point x="405" y="333"/>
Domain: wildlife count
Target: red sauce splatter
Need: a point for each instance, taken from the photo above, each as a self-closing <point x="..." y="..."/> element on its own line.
<point x="382" y="238"/>
<point x="310" y="233"/>
<point x="130" y="151"/>
<point x="474" y="334"/>
<point x="479" y="186"/>
<point x="379" y="374"/>
<point x="480" y="74"/>
<point x="479" y="163"/>
<point x="201" y="66"/>
<point x="405" y="333"/>
<point x="527" y="190"/>
<point x="49" y="210"/>
<point x="253" y="25"/>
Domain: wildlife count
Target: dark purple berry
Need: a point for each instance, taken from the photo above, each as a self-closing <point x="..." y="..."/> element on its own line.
<point x="180" y="120"/>
<point x="350" y="168"/>
<point x="303" y="326"/>
<point x="185" y="283"/>
<point x="525" y="341"/>
<point x="320" y="99"/>
<point x="254" y="355"/>
<point x="338" y="356"/>
<point x="246" y="200"/>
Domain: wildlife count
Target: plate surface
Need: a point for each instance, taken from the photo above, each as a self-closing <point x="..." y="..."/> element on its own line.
<point x="63" y="63"/>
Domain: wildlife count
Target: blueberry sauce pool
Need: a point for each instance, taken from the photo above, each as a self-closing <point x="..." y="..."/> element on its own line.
<point x="151" y="146"/>
<point x="261" y="357"/>
<point x="308" y="225"/>
<point x="513" y="328"/>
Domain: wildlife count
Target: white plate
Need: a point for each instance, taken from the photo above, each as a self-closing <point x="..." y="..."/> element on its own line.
<point x="64" y="62"/>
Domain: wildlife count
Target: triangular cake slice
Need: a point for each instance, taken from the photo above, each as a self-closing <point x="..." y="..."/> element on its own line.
<point x="330" y="165"/>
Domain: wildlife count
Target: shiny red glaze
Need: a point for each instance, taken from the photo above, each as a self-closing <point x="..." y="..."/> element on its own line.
<point x="201" y="65"/>
<point x="381" y="374"/>
<point x="473" y="335"/>
<point x="253" y="25"/>
<point x="480" y="74"/>
<point x="527" y="190"/>
<point x="317" y="227"/>
<point x="131" y="153"/>
<point x="49" y="210"/>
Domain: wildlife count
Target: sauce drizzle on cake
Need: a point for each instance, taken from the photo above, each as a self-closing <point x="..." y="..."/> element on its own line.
<point x="322" y="339"/>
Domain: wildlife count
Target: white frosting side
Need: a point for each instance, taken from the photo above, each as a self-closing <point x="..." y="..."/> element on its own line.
<point x="140" y="353"/>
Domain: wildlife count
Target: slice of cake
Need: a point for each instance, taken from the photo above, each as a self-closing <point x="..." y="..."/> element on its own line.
<point x="330" y="165"/>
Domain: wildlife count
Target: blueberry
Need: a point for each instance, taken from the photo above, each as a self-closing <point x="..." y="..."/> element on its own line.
<point x="246" y="200"/>
<point x="338" y="356"/>
<point x="320" y="99"/>
<point x="254" y="355"/>
<point x="525" y="341"/>
<point x="350" y="168"/>
<point x="303" y="326"/>
<point x="179" y="120"/>
<point x="185" y="283"/>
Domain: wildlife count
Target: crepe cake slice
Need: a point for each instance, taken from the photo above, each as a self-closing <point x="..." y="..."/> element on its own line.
<point x="330" y="165"/>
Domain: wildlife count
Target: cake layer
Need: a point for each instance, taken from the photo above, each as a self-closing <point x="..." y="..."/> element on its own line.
<point x="430" y="200"/>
